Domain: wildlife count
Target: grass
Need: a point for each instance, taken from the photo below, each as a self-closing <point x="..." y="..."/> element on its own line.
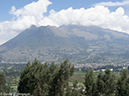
<point x="80" y="76"/>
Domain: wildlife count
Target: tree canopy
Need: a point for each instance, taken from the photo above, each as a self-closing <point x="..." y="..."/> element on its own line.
<point x="42" y="80"/>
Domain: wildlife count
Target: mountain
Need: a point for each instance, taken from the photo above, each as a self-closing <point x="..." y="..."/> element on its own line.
<point x="81" y="44"/>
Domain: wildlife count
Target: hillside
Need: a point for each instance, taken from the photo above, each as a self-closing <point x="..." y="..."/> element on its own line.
<point x="80" y="44"/>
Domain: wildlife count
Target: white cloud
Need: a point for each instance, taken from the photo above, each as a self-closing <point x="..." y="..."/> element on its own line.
<point x="33" y="14"/>
<point x="23" y="18"/>
<point x="33" y="9"/>
<point x="125" y="2"/>
<point x="98" y="15"/>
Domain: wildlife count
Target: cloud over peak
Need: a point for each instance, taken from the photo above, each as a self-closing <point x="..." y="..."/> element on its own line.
<point x="98" y="16"/>
<point x="33" y="13"/>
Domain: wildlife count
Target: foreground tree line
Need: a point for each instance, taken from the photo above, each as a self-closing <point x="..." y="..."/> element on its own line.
<point x="106" y="84"/>
<point x="42" y="80"/>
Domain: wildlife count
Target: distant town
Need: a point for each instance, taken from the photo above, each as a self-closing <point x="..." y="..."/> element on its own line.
<point x="116" y="66"/>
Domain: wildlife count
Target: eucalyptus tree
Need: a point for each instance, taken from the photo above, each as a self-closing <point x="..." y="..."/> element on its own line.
<point x="42" y="80"/>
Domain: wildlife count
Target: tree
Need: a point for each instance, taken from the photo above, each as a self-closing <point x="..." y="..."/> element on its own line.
<point x="127" y="87"/>
<point x="3" y="87"/>
<point x="100" y="84"/>
<point x="122" y="88"/>
<point x="89" y="81"/>
<point x="34" y="79"/>
<point x="94" y="90"/>
<point x="68" y="91"/>
<point x="124" y="74"/>
<point x="23" y="83"/>
<point x="52" y="67"/>
<point x="60" y="80"/>
<point x="43" y="80"/>
<point x="109" y="83"/>
<point x="105" y="83"/>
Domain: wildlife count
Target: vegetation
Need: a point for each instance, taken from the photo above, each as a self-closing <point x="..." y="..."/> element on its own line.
<point x="44" y="80"/>
<point x="37" y="78"/>
<point x="60" y="80"/>
<point x="78" y="76"/>
<point x="12" y="73"/>
<point x="3" y="87"/>
<point x="106" y="84"/>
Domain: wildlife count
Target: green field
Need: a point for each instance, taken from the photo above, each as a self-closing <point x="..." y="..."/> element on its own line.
<point x="80" y="76"/>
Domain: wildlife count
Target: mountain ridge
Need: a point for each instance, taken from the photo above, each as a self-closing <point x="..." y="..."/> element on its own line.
<point x="78" y="43"/>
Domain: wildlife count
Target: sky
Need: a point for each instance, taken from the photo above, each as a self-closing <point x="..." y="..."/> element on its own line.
<point x="18" y="15"/>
